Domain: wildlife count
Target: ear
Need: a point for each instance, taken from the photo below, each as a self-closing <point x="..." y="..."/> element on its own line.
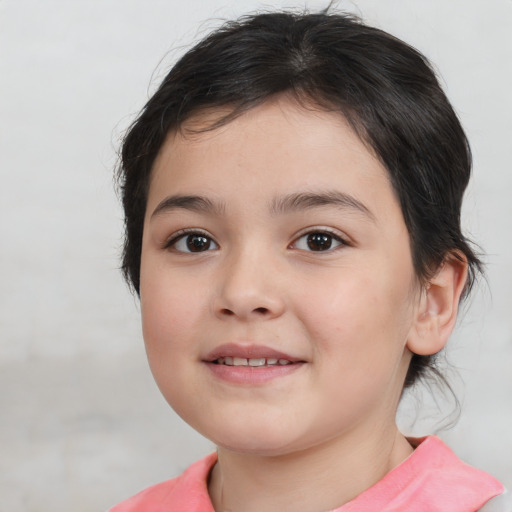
<point x="439" y="304"/>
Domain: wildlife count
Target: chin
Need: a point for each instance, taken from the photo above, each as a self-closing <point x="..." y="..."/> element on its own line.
<point x="263" y="449"/>
<point x="254" y="441"/>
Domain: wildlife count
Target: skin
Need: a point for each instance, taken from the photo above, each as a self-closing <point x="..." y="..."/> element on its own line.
<point x="316" y="437"/>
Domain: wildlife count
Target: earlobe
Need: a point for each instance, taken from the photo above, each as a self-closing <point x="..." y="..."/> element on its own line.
<point x="439" y="304"/>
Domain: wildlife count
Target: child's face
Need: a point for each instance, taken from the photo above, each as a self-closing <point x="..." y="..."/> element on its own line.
<point x="289" y="243"/>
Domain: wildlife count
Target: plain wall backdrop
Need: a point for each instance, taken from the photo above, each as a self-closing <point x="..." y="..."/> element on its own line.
<point x="82" y="425"/>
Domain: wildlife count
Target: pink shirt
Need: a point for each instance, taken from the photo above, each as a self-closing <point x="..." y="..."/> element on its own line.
<point x="432" y="479"/>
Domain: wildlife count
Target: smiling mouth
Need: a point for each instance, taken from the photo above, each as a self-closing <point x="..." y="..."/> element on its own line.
<point x="250" y="365"/>
<point x="260" y="362"/>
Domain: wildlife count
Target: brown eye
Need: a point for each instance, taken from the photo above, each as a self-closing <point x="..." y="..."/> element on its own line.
<point x="318" y="241"/>
<point x="197" y="243"/>
<point x="193" y="242"/>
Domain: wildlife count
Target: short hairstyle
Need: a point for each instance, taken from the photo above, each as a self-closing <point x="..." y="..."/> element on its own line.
<point x="386" y="90"/>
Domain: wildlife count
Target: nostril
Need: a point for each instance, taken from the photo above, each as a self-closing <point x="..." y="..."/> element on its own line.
<point x="247" y="308"/>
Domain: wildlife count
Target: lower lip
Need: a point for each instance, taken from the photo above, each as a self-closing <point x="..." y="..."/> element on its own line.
<point x="252" y="375"/>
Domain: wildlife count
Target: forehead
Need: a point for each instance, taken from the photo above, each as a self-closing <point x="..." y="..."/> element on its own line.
<point x="279" y="148"/>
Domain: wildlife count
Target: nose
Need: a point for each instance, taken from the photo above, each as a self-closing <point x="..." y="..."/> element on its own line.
<point x="249" y="289"/>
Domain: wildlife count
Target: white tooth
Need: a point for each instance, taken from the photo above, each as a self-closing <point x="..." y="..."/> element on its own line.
<point x="271" y="361"/>
<point x="257" y="362"/>
<point x="220" y="360"/>
<point x="284" y="361"/>
<point x="228" y="361"/>
<point x="240" y="361"/>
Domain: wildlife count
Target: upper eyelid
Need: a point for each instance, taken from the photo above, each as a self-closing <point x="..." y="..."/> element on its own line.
<point x="323" y="229"/>
<point x="174" y="237"/>
<point x="342" y="241"/>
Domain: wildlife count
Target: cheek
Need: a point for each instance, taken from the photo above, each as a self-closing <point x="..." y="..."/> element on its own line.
<point x="359" y="335"/>
<point x="361" y="317"/>
<point x="168" y="323"/>
<point x="169" y="312"/>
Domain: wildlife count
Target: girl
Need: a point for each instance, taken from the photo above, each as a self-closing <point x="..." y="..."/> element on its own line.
<point x="292" y="196"/>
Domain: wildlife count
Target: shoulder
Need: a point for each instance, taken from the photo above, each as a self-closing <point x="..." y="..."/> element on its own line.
<point x="501" y="503"/>
<point x="148" y="498"/>
<point x="444" y="475"/>
<point x="432" y="479"/>
<point x="190" y="488"/>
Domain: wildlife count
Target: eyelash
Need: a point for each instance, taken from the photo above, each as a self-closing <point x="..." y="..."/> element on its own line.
<point x="184" y="233"/>
<point x="334" y="236"/>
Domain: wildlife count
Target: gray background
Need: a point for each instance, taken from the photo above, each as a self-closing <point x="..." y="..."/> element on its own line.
<point x="81" y="423"/>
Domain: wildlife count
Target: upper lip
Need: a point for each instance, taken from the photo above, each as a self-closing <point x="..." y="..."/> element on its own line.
<point x="248" y="352"/>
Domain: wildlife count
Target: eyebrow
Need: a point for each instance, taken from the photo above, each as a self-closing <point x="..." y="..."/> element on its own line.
<point x="279" y="206"/>
<point x="197" y="204"/>
<point x="311" y="200"/>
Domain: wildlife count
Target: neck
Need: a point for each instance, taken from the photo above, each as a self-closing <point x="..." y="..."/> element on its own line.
<point x="319" y="478"/>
